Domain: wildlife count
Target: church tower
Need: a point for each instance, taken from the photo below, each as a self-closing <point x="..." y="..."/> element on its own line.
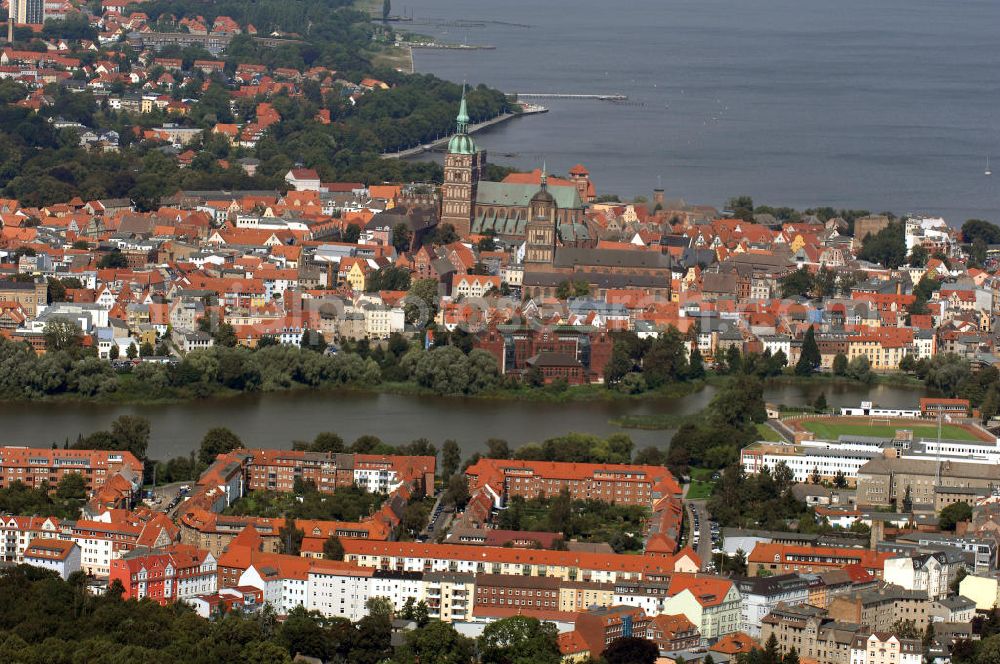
<point x="463" y="168"/>
<point x="540" y="231"/>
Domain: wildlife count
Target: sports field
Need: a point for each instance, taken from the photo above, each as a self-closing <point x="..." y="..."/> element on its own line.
<point x="831" y="429"/>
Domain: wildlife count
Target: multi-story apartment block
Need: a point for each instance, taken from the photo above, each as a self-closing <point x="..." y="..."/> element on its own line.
<point x="165" y="575"/>
<point x="791" y="559"/>
<point x="885" y="648"/>
<point x="760" y="595"/>
<point x="930" y="573"/>
<point x="623" y="484"/>
<point x="567" y="565"/>
<point x="814" y="636"/>
<point x="33" y="466"/>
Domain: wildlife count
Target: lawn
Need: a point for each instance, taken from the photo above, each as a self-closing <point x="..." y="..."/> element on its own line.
<point x="703" y="474"/>
<point x="829" y="430"/>
<point x="699" y="490"/>
<point x="764" y="432"/>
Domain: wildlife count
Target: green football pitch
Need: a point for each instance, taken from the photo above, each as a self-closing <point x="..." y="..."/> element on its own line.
<point x="830" y="430"/>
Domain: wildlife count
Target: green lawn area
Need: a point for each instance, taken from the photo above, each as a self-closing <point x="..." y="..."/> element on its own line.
<point x="699" y="490"/>
<point x="765" y="432"/>
<point x="702" y="474"/>
<point x="830" y="430"/>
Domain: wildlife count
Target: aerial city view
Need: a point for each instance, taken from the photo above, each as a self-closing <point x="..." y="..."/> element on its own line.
<point x="468" y="332"/>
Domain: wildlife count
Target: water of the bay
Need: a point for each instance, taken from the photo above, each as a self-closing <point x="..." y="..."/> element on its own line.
<point x="885" y="105"/>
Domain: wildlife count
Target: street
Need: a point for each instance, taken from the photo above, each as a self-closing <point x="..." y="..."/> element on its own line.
<point x="699" y="528"/>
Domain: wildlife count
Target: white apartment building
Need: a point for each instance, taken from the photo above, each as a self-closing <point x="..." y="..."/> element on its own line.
<point x="881" y="648"/>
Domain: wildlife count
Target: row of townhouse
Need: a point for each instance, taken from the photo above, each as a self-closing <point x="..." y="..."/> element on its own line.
<point x="335" y="588"/>
<point x="102" y="539"/>
<point x="567" y="565"/>
<point x="165" y="575"/>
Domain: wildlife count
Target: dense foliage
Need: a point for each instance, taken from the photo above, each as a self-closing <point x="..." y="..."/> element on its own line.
<point x="621" y="526"/>
<point x="728" y="424"/>
<point x="348" y="503"/>
<point x="65" y="503"/>
<point x="763" y="500"/>
<point x="887" y="247"/>
<point x="640" y="364"/>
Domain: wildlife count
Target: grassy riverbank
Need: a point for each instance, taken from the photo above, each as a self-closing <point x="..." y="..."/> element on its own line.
<point x="130" y="392"/>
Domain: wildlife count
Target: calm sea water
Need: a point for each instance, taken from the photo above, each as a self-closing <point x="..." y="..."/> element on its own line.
<point x="879" y="104"/>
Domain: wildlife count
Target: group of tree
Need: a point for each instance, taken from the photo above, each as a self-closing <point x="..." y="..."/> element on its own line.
<point x="637" y="365"/>
<point x="860" y="368"/>
<point x="64" y="502"/>
<point x="803" y="283"/>
<point x="713" y="439"/>
<point x="763" y="500"/>
<point x="621" y="526"/>
<point x="887" y="247"/>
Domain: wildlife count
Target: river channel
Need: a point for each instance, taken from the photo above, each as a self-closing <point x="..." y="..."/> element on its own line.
<point x="275" y="420"/>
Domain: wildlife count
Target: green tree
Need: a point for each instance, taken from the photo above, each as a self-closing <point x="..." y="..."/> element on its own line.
<point x="113" y="352"/>
<point x="421" y="301"/>
<point x="457" y="493"/>
<point x="131" y="433"/>
<point x="386" y="9"/>
<point x="291" y="537"/>
<point x="696" y="365"/>
<point x="327" y="442"/>
<point x="951" y="515"/>
<point x="218" y="440"/>
<point x="945" y="372"/>
<point x="71" y="486"/>
<point x="379" y="606"/>
<point x="631" y="650"/>
<point x="809" y="358"/>
<point x="62" y="334"/>
<point x="887" y="247"/>
<point x="797" y="284"/>
<point x="519" y="640"/>
<point x="840" y="364"/>
<point x="437" y="642"/>
<point x="225" y="335"/>
<point x="131" y="352"/>
<point x="333" y="549"/>
<point x="451" y="458"/>
<point x="741" y="207"/>
<point x="820" y="404"/>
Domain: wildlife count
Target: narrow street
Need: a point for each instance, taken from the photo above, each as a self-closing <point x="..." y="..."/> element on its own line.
<point x="698" y="520"/>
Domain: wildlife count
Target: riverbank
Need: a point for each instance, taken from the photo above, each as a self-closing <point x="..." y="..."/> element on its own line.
<point x="130" y="393"/>
<point x="815" y="383"/>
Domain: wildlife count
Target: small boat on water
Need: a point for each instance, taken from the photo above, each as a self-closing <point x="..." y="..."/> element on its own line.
<point x="988" y="171"/>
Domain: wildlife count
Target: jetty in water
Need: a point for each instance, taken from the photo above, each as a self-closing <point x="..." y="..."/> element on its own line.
<point x="561" y="95"/>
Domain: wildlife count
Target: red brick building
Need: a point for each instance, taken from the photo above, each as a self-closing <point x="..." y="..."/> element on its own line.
<point x="32" y="466"/>
<point x="599" y="627"/>
<point x="611" y="483"/>
<point x="577" y="353"/>
<point x="526" y="593"/>
<point x="673" y="633"/>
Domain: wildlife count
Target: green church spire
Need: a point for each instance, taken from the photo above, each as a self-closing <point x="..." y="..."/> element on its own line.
<point x="463" y="115"/>
<point x="461" y="142"/>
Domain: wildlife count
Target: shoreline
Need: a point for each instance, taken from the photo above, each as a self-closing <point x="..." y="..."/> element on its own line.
<point x="591" y="392"/>
<point x="575" y="393"/>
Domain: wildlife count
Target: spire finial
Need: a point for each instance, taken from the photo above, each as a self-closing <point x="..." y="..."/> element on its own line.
<point x="463" y="114"/>
<point x="545" y="177"/>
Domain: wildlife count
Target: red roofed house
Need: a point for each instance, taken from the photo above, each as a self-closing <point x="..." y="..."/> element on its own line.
<point x="60" y="556"/>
